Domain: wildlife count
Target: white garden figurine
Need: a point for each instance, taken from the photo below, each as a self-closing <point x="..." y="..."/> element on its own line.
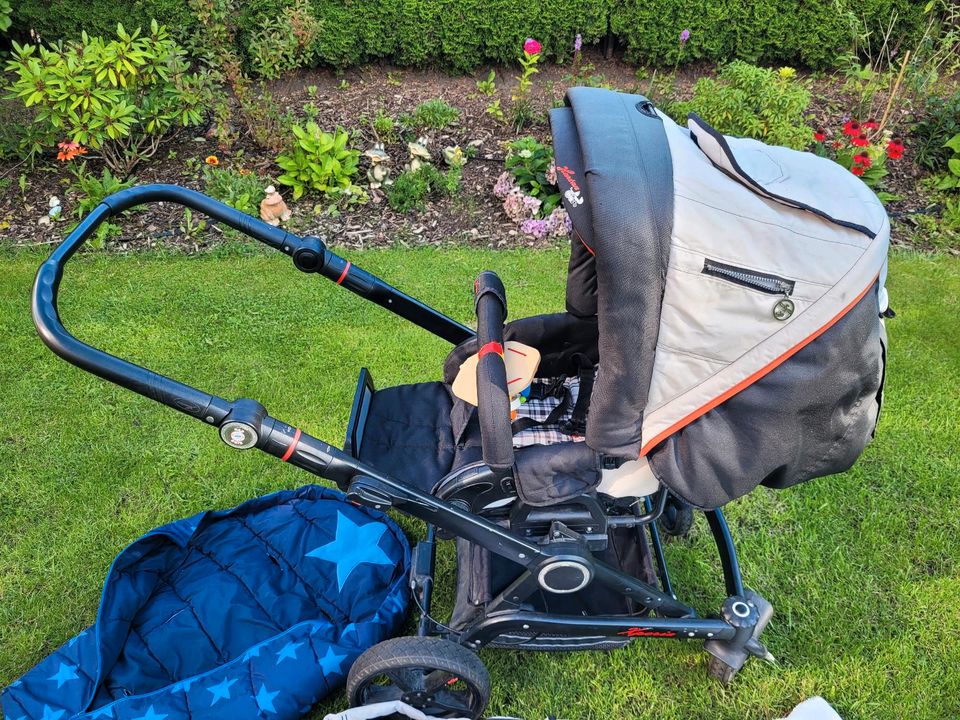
<point x="379" y="173"/>
<point x="273" y="209"/>
<point x="419" y="155"/>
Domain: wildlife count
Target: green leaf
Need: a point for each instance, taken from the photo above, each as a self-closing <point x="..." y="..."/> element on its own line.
<point x="954" y="166"/>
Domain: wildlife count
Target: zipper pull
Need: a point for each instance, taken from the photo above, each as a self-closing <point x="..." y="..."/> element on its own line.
<point x="784" y="308"/>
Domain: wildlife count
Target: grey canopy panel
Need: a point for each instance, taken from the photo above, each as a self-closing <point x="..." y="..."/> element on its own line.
<point x="623" y="202"/>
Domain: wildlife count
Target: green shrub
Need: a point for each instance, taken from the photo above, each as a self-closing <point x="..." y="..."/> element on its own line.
<point x="384" y="127"/>
<point x="6" y="10"/>
<point x="90" y="190"/>
<point x="951" y="179"/>
<point x="285" y="42"/>
<point x="241" y="190"/>
<point x="433" y="114"/>
<point x="411" y="189"/>
<point x="120" y="97"/>
<point x="530" y="162"/>
<point x="751" y="102"/>
<point x="319" y="162"/>
<point x="939" y="123"/>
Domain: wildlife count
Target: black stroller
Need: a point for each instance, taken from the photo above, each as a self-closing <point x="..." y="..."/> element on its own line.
<point x="557" y="510"/>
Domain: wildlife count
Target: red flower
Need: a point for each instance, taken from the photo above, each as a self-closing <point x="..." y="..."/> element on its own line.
<point x="852" y="128"/>
<point x="819" y="135"/>
<point x="532" y="47"/>
<point x="895" y="149"/>
<point x="863" y="159"/>
<point x="857" y="170"/>
<point x="871" y="125"/>
<point x="837" y="144"/>
<point x="860" y="140"/>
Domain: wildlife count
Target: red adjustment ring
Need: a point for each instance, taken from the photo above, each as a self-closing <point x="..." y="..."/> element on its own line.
<point x="293" y="446"/>
<point x="490" y="347"/>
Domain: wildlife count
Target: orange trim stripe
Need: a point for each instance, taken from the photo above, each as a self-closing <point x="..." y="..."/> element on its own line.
<point x="293" y="446"/>
<point x="743" y="384"/>
<point x="589" y="249"/>
<point x="343" y="275"/>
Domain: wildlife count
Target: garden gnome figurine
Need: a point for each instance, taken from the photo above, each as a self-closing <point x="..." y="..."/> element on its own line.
<point x="272" y="208"/>
<point x="419" y="155"/>
<point x="379" y="172"/>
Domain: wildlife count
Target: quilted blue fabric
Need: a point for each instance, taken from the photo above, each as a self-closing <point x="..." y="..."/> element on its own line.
<point x="254" y="612"/>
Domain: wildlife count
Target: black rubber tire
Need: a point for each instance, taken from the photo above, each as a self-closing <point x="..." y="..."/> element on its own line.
<point x="409" y="657"/>
<point x="677" y="518"/>
<point x="719" y="670"/>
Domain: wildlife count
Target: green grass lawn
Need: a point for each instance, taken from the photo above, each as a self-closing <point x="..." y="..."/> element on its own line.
<point x="863" y="568"/>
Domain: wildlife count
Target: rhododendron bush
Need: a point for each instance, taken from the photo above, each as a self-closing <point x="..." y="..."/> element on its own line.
<point x="119" y="97"/>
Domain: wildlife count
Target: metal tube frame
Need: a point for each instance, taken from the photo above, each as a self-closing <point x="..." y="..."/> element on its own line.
<point x="363" y="483"/>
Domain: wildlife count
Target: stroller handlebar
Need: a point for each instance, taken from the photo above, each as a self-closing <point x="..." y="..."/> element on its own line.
<point x="308" y="254"/>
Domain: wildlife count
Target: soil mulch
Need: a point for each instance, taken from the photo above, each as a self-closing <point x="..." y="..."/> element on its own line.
<point x="352" y="100"/>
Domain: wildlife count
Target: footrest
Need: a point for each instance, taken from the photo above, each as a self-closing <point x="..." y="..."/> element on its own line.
<point x="362" y="398"/>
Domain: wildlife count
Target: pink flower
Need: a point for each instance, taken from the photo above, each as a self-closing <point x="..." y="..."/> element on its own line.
<point x="532" y="47"/>
<point x="684" y="36"/>
<point x="577" y="43"/>
<point x="557" y="222"/>
<point x="504" y="185"/>
<point x="551" y="174"/>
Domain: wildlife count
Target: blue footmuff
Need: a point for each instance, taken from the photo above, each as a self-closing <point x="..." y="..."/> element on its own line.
<point x="254" y="612"/>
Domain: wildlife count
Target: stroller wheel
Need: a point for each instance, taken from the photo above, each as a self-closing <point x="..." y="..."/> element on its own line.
<point x="439" y="677"/>
<point x="719" y="670"/>
<point x="677" y="517"/>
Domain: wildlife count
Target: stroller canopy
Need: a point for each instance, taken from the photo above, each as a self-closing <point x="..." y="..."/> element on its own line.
<point x="738" y="290"/>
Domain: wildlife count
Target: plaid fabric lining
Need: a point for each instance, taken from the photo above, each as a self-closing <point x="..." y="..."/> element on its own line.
<point x="539" y="409"/>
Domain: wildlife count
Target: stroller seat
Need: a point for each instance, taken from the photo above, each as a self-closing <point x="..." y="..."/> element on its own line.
<point x="421" y="433"/>
<point x="409" y="430"/>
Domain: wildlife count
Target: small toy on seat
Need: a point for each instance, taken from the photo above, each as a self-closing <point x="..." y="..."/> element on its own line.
<point x="521" y="362"/>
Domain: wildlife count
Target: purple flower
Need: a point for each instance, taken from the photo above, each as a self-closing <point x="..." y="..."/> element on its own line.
<point x="534" y="228"/>
<point x="684" y="36"/>
<point x="577" y="43"/>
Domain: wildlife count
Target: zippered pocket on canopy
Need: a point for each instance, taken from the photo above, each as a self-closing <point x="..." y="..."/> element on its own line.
<point x="756" y="280"/>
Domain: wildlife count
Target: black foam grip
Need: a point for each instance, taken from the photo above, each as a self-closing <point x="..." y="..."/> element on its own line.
<point x="493" y="401"/>
<point x="488" y="288"/>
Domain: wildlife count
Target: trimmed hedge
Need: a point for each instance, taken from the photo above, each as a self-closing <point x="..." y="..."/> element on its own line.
<point x="56" y="19"/>
<point x="453" y="34"/>
<point x="792" y="32"/>
<point x="459" y="35"/>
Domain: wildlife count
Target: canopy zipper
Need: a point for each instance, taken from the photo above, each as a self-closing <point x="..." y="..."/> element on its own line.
<point x="765" y="283"/>
<point x="771" y="284"/>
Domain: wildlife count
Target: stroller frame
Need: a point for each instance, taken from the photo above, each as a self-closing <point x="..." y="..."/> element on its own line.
<point x="565" y="554"/>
